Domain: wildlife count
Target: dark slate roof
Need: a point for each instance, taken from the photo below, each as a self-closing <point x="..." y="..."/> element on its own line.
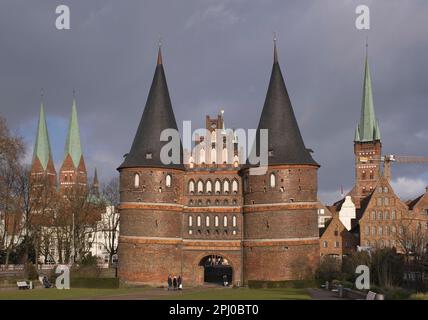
<point x="158" y="115"/>
<point x="284" y="138"/>
<point x="411" y="204"/>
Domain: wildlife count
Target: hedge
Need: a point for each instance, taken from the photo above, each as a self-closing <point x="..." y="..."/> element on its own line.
<point x="95" y="283"/>
<point x="296" y="284"/>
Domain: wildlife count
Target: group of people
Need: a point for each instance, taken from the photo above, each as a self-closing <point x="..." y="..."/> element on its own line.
<point x="175" y="283"/>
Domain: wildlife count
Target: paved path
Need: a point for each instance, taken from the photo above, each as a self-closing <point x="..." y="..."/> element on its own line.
<point x="321" y="294"/>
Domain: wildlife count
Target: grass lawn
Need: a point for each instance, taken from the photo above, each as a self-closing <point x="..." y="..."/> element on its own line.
<point x="159" y="294"/>
<point x="243" y="294"/>
<point x="76" y="293"/>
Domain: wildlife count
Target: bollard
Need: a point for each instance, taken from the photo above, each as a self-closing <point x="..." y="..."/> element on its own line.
<point x="340" y="290"/>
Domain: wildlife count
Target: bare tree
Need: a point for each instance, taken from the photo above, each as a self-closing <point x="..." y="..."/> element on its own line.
<point x="111" y="219"/>
<point x="11" y="152"/>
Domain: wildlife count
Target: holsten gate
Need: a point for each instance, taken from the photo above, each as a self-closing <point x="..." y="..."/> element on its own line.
<point x="208" y="218"/>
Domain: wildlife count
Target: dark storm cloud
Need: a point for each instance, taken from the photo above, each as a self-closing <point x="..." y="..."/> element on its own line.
<point x="218" y="54"/>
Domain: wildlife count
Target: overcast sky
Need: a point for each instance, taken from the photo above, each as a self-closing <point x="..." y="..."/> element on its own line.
<point x="218" y="54"/>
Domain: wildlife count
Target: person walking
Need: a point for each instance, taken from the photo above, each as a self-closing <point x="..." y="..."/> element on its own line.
<point x="169" y="282"/>
<point x="225" y="282"/>
<point x="179" y="283"/>
<point x="174" y="282"/>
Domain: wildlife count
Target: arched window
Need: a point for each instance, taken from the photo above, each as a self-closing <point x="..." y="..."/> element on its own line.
<point x="363" y="176"/>
<point x="367" y="243"/>
<point x="235" y="186"/>
<point x="209" y="186"/>
<point x="367" y="230"/>
<point x="198" y="221"/>
<point x="226" y="186"/>
<point x="217" y="187"/>
<point x="380" y="230"/>
<point x="191" y="186"/>
<point x="272" y="180"/>
<point x="213" y="155"/>
<point x="371" y="175"/>
<point x="394" y="215"/>
<point x="200" y="186"/>
<point x="190" y="221"/>
<point x="168" y="180"/>
<point x="216" y="221"/>
<point x="379" y="215"/>
<point x="225" y="221"/>
<point x="207" y="221"/>
<point x="393" y="229"/>
<point x="202" y="156"/>
<point x="373" y="231"/>
<point x="234" y="221"/>
<point x="387" y="230"/>
<point x="136" y="180"/>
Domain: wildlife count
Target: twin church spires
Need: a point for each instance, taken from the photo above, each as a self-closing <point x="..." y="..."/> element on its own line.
<point x="73" y="169"/>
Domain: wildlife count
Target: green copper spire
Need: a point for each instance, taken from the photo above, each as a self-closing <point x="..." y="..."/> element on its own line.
<point x="72" y="145"/>
<point x="368" y="127"/>
<point x="357" y="134"/>
<point x="42" y="148"/>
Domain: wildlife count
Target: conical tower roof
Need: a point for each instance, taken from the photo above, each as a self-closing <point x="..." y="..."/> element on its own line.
<point x="42" y="147"/>
<point x="158" y="115"/>
<point x="368" y="127"/>
<point x="73" y="146"/>
<point x="285" y="142"/>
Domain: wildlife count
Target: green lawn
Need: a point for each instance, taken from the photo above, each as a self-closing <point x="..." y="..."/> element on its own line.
<point x="154" y="293"/>
<point x="243" y="294"/>
<point x="77" y="293"/>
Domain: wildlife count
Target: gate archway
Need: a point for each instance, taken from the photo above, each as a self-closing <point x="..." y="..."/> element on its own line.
<point x="217" y="269"/>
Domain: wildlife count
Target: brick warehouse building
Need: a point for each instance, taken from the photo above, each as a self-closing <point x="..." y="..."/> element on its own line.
<point x="211" y="217"/>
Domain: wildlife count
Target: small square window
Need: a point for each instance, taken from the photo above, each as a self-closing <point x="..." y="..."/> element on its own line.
<point x="149" y="156"/>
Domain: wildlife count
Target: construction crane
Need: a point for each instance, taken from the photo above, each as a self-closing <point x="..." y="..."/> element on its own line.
<point x="388" y="159"/>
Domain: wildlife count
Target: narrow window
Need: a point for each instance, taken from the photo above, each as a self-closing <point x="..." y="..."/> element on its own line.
<point x="272" y="180"/>
<point x="225" y="221"/>
<point x="235" y="186"/>
<point x="226" y="186"/>
<point x="190" y="221"/>
<point x="207" y="221"/>
<point x="234" y="221"/>
<point x="136" y="180"/>
<point x="216" y="221"/>
<point x="200" y="187"/>
<point x="198" y="221"/>
<point x="191" y="186"/>
<point x="168" y="180"/>
<point x="209" y="186"/>
<point x="217" y="187"/>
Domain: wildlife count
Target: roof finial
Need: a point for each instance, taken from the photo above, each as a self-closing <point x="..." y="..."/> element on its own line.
<point x="74" y="93"/>
<point x="367" y="46"/>
<point x="275" y="50"/>
<point x="42" y="95"/>
<point x="160" y="51"/>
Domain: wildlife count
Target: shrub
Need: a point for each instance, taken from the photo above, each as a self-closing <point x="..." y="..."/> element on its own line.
<point x="329" y="269"/>
<point x="397" y="294"/>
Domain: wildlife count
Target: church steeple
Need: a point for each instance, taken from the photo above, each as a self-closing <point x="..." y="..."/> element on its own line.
<point x="42" y="148"/>
<point x="73" y="146"/>
<point x="158" y="115"/>
<point x="73" y="169"/>
<point x="368" y="127"/>
<point x="285" y="142"/>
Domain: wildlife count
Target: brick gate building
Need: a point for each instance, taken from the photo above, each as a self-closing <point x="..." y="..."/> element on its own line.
<point x="208" y="211"/>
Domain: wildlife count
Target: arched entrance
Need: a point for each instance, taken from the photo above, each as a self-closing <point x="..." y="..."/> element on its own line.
<point x="216" y="269"/>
